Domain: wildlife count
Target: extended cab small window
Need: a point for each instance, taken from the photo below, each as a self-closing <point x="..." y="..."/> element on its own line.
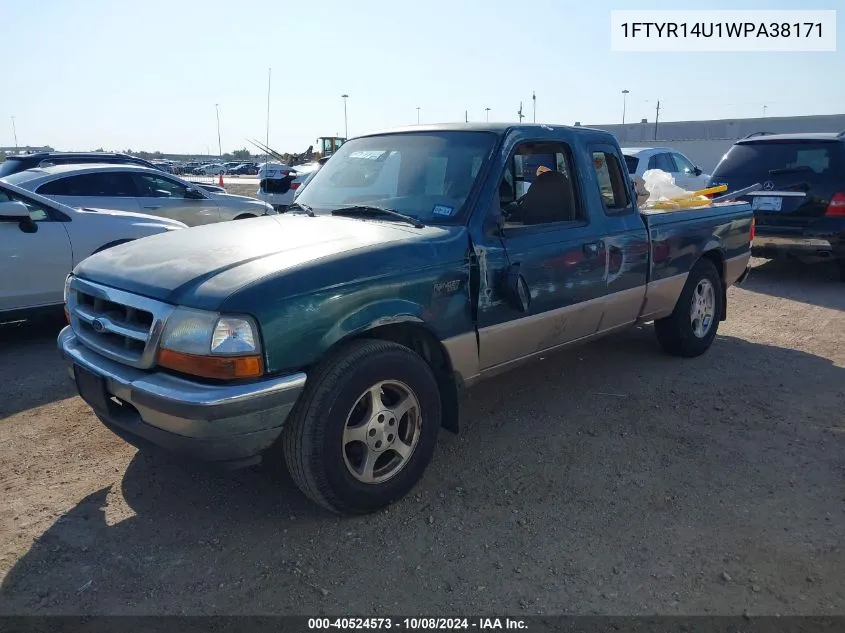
<point x="538" y="186"/>
<point x="612" y="182"/>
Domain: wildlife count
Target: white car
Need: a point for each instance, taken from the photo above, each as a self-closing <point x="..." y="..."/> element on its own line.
<point x="138" y="189"/>
<point x="215" y="169"/>
<point x="41" y="241"/>
<point x="278" y="184"/>
<point x="686" y="174"/>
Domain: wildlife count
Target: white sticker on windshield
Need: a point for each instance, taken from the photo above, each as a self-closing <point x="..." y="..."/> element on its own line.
<point x="442" y="209"/>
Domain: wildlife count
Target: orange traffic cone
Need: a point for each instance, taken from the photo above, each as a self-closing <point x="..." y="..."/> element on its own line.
<point x="220" y="179"/>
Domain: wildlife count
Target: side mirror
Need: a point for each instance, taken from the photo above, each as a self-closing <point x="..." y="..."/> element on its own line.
<point x="17" y="212"/>
<point x="516" y="289"/>
<point x="194" y="194"/>
<point x="697" y="171"/>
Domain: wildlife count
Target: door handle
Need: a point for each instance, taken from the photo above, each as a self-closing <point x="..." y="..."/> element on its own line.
<point x="158" y="207"/>
<point x="592" y="249"/>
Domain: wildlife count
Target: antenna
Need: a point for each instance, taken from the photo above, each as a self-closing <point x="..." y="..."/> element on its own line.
<point x="519" y="114"/>
<point x="534" y="100"/>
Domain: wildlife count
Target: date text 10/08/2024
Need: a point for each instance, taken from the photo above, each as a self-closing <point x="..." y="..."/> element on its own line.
<point x="417" y="624"/>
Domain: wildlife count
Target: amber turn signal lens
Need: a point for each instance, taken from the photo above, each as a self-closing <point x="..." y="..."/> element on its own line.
<point x="222" y="368"/>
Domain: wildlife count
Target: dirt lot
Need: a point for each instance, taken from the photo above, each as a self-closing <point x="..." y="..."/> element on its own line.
<point x="609" y="479"/>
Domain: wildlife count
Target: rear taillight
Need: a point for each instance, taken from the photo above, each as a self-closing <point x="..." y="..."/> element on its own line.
<point x="294" y="186"/>
<point x="836" y="208"/>
<point x="751" y="232"/>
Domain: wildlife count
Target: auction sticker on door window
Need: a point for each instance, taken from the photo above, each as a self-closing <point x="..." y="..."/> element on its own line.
<point x="766" y="203"/>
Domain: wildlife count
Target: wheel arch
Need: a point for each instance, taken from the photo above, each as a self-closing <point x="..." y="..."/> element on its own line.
<point x="113" y="244"/>
<point x="411" y="331"/>
<point x="717" y="257"/>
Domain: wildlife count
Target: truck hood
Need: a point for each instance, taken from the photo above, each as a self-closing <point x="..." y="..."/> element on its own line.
<point x="202" y="266"/>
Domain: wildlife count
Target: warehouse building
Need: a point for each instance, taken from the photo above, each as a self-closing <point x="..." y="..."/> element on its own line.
<point x="705" y="142"/>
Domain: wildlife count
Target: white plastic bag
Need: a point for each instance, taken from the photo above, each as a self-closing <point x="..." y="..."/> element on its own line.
<point x="661" y="187"/>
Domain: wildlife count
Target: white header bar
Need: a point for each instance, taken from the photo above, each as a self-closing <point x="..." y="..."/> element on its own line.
<point x="722" y="31"/>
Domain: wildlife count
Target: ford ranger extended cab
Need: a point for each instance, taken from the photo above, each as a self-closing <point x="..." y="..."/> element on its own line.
<point x="338" y="337"/>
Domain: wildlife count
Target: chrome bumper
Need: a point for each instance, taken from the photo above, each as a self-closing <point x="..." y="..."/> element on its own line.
<point x="211" y="422"/>
<point x="804" y="244"/>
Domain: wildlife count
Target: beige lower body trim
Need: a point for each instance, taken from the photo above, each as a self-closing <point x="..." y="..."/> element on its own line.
<point x="734" y="267"/>
<point x="661" y="297"/>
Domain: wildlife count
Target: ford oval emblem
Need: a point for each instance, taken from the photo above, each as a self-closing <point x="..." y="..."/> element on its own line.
<point x="768" y="185"/>
<point x="98" y="326"/>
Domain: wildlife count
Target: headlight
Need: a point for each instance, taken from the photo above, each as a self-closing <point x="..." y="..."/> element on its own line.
<point x="67" y="288"/>
<point x="211" y="345"/>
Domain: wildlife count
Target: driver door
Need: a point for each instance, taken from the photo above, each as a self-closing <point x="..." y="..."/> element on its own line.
<point x="33" y="265"/>
<point x="555" y="246"/>
<point x="159" y="195"/>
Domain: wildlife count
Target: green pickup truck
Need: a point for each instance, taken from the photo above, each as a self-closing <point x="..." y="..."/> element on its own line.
<point x="338" y="336"/>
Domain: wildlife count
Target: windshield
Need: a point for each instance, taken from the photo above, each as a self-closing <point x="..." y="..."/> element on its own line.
<point x="427" y="175"/>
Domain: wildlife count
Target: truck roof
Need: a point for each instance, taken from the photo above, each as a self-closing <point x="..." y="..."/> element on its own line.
<point x="497" y="128"/>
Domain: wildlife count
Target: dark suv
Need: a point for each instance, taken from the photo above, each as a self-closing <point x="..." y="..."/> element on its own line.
<point x="14" y="164"/>
<point x="811" y="226"/>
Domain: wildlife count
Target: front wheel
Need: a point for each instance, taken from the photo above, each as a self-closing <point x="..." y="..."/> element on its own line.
<point x="690" y="329"/>
<point x="365" y="428"/>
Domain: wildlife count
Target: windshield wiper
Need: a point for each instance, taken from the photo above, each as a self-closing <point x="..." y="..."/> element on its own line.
<point x="365" y="209"/>
<point x="303" y="207"/>
<point x="789" y="170"/>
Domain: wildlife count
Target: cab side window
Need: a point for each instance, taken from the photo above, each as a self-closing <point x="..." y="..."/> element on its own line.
<point x="612" y="182"/>
<point x="538" y="186"/>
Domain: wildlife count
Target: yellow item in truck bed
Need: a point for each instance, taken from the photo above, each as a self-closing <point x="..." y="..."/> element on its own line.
<point x="686" y="202"/>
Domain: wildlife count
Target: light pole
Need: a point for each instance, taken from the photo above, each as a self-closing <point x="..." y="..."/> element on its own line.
<point x="624" y="103"/>
<point x="345" y="120"/>
<point x="15" y="132"/>
<point x="219" y="145"/>
<point x="418" y="115"/>
<point x="487" y="114"/>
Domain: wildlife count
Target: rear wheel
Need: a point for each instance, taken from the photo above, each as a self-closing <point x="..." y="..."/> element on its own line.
<point x="690" y="329"/>
<point x="841" y="264"/>
<point x="365" y="428"/>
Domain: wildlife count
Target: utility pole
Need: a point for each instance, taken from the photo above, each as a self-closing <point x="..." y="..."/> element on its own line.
<point x="656" y="119"/>
<point x="624" y="103"/>
<point x="219" y="145"/>
<point x="15" y="132"/>
<point x="345" y="120"/>
<point x="267" y="139"/>
<point x="534" y="100"/>
<point x="487" y="112"/>
<point x="418" y="115"/>
<point x="466" y="116"/>
<point x="519" y="113"/>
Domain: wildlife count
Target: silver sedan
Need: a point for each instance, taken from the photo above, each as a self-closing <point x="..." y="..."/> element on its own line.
<point x="137" y="189"/>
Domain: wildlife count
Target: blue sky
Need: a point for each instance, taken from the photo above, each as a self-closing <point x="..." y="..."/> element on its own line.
<point x="80" y="74"/>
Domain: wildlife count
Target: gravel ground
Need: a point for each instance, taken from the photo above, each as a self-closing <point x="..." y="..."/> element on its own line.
<point x="610" y="479"/>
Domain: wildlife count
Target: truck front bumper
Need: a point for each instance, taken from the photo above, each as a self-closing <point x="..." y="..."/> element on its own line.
<point x="229" y="424"/>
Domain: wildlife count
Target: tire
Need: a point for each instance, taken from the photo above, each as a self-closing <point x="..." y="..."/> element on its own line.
<point x="318" y="454"/>
<point x="680" y="334"/>
<point x="841" y="264"/>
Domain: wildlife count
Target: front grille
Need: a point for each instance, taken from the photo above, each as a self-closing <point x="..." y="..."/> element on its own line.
<point x="117" y="324"/>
